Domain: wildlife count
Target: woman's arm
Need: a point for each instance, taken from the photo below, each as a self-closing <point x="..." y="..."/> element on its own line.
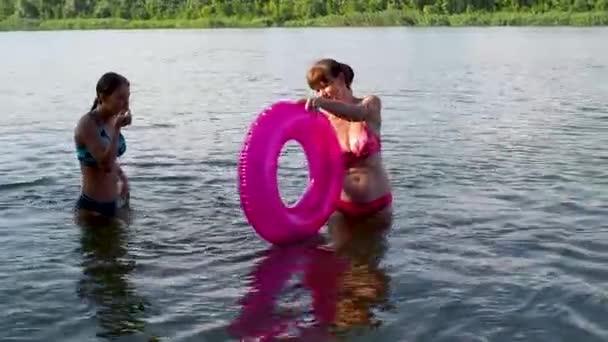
<point x="87" y="132"/>
<point x="366" y="110"/>
<point x="124" y="181"/>
<point x="121" y="174"/>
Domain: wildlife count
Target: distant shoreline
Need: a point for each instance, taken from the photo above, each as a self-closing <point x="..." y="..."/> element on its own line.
<point x="374" y="19"/>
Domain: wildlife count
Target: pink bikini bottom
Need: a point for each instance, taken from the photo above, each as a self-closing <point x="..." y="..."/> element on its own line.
<point x="366" y="209"/>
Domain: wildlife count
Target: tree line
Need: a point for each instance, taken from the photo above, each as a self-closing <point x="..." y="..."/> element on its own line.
<point x="278" y="10"/>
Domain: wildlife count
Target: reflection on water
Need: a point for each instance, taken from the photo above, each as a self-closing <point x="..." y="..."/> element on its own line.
<point x="106" y="266"/>
<point x="364" y="284"/>
<point x="315" y="292"/>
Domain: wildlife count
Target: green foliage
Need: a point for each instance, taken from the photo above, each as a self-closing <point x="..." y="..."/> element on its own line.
<point x="48" y="14"/>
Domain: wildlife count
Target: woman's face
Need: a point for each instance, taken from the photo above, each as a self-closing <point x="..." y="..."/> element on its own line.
<point x="335" y="89"/>
<point x="118" y="101"/>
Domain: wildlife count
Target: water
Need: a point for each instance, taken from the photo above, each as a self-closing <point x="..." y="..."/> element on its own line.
<point x="495" y="140"/>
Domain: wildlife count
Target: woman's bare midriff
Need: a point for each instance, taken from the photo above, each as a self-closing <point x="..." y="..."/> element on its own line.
<point x="98" y="184"/>
<point x="366" y="181"/>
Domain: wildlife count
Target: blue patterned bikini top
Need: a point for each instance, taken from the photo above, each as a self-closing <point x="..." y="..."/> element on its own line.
<point x="86" y="158"/>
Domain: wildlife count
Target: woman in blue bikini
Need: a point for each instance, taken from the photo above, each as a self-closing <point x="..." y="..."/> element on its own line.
<point x="98" y="144"/>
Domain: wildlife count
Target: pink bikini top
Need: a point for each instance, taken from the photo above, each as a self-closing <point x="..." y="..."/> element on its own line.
<point x="366" y="144"/>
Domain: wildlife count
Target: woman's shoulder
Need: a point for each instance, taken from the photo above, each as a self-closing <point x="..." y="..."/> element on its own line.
<point x="85" y="123"/>
<point x="372" y="100"/>
<point x="373" y="107"/>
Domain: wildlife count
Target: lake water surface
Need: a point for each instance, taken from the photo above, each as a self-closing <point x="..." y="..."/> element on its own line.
<point x="496" y="142"/>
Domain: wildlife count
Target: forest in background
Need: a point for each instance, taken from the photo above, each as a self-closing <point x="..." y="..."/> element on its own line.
<point x="55" y="14"/>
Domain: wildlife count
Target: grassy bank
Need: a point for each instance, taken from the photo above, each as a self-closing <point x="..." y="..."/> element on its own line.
<point x="384" y="18"/>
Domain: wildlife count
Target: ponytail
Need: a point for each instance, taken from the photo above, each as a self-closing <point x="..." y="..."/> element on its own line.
<point x="95" y="103"/>
<point x="348" y="73"/>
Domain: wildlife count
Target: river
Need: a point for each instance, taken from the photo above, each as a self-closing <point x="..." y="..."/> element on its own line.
<point x="495" y="139"/>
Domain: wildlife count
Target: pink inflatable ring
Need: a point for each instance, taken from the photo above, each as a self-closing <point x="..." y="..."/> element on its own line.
<point x="258" y="165"/>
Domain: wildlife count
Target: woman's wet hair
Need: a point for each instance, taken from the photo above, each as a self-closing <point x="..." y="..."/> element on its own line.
<point x="107" y="85"/>
<point x="324" y="70"/>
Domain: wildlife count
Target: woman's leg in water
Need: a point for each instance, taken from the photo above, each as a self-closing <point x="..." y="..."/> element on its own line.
<point x="107" y="266"/>
<point x="364" y="285"/>
<point x="346" y="231"/>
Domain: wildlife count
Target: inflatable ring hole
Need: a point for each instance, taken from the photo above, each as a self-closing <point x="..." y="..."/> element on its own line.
<point x="292" y="174"/>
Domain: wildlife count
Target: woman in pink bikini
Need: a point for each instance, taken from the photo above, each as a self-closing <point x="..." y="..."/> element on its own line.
<point x="364" y="211"/>
<point x="366" y="193"/>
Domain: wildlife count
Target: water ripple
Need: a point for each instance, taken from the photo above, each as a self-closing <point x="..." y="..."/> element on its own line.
<point x="497" y="162"/>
